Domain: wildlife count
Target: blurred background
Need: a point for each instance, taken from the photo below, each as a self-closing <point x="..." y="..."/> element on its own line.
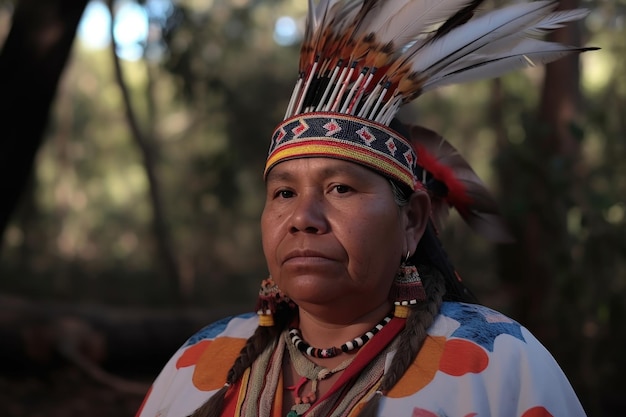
<point x="133" y="136"/>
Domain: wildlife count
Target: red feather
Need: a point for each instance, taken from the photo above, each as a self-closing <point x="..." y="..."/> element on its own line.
<point x="466" y="191"/>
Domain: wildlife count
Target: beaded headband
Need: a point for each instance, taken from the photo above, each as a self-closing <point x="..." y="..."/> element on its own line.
<point x="341" y="136"/>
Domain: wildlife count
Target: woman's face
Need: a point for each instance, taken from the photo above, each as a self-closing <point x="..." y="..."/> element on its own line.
<point x="333" y="235"/>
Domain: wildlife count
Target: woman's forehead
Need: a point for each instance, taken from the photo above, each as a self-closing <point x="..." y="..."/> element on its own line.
<point x="319" y="166"/>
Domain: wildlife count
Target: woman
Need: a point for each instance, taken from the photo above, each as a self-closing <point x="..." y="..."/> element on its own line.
<point x="363" y="314"/>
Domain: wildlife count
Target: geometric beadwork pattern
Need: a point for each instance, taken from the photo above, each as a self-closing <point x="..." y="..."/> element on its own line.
<point x="345" y="137"/>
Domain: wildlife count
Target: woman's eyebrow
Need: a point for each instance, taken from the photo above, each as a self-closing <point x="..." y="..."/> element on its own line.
<point x="326" y="172"/>
<point x="277" y="175"/>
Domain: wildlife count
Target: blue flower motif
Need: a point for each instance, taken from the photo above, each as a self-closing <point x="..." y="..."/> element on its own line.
<point x="214" y="329"/>
<point x="480" y="324"/>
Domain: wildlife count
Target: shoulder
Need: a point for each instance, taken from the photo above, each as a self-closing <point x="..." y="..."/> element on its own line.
<point x="461" y="342"/>
<point x="214" y="347"/>
<point x="471" y="333"/>
<point x="478" y="340"/>
<point x="241" y="326"/>
<point x="490" y="360"/>
<point x="476" y="323"/>
<point x="199" y="367"/>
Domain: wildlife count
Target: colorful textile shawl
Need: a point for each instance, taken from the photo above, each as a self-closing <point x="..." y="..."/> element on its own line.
<point x="475" y="361"/>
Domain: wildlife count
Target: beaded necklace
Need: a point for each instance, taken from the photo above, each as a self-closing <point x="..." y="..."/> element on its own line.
<point x="308" y="371"/>
<point x="333" y="351"/>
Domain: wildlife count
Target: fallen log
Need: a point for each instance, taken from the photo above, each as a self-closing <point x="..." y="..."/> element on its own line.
<point x="118" y="347"/>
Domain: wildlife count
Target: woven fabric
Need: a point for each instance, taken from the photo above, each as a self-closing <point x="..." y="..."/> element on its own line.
<point x="262" y="383"/>
<point x="344" y="137"/>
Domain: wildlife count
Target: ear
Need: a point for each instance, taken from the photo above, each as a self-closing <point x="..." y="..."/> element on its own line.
<point x="417" y="213"/>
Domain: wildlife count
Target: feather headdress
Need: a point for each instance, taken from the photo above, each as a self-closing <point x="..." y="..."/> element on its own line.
<point x="369" y="57"/>
<point x="361" y="60"/>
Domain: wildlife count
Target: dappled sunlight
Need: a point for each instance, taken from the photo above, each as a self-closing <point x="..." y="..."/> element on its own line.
<point x="616" y="213"/>
<point x="206" y="104"/>
<point x="598" y="70"/>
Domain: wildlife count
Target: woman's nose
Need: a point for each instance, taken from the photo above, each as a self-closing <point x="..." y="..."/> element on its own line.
<point x="309" y="215"/>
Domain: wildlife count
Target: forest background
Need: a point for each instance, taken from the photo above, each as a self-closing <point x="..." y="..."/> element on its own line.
<point x="131" y="190"/>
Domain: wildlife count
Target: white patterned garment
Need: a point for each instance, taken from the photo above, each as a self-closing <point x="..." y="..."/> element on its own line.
<point x="475" y="362"/>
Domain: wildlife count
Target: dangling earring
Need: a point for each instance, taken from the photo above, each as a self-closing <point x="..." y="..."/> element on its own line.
<point x="407" y="288"/>
<point x="270" y="296"/>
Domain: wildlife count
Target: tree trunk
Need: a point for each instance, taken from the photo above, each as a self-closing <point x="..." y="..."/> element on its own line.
<point x="543" y="176"/>
<point x="147" y="147"/>
<point x="31" y="63"/>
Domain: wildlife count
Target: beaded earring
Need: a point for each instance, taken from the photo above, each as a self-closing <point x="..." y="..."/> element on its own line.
<point x="270" y="296"/>
<point x="407" y="288"/>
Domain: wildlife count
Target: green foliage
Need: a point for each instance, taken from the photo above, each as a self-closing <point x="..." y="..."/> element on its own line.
<point x="219" y="85"/>
<point x="87" y="213"/>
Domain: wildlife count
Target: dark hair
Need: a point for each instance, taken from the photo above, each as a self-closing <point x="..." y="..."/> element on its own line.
<point x="430" y="251"/>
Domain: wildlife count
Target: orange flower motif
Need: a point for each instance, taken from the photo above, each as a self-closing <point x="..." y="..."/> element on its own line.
<point x="462" y="357"/>
<point x="212" y="360"/>
<point x="537" y="412"/>
<point x="420" y="412"/>
<point x="422" y="370"/>
<point x="191" y="355"/>
<point x="454" y="357"/>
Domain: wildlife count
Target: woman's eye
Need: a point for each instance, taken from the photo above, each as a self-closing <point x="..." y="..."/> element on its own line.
<point x="342" y="189"/>
<point x="284" y="194"/>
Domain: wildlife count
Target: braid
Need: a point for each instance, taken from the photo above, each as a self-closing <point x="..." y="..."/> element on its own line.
<point x="412" y="337"/>
<point x="430" y="251"/>
<point x="255" y="345"/>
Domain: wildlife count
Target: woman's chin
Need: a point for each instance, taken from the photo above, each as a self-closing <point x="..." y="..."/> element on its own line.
<point x="312" y="289"/>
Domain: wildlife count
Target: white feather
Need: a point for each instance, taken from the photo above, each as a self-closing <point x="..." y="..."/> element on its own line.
<point x="471" y="36"/>
<point x="486" y="46"/>
<point x="323" y="15"/>
<point x="507" y="44"/>
<point x="343" y="14"/>
<point x="556" y="20"/>
<point x="402" y="20"/>
<point x="528" y="53"/>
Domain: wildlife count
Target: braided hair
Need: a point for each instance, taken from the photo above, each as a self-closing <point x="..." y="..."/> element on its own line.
<point x="412" y="337"/>
<point x="262" y="338"/>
